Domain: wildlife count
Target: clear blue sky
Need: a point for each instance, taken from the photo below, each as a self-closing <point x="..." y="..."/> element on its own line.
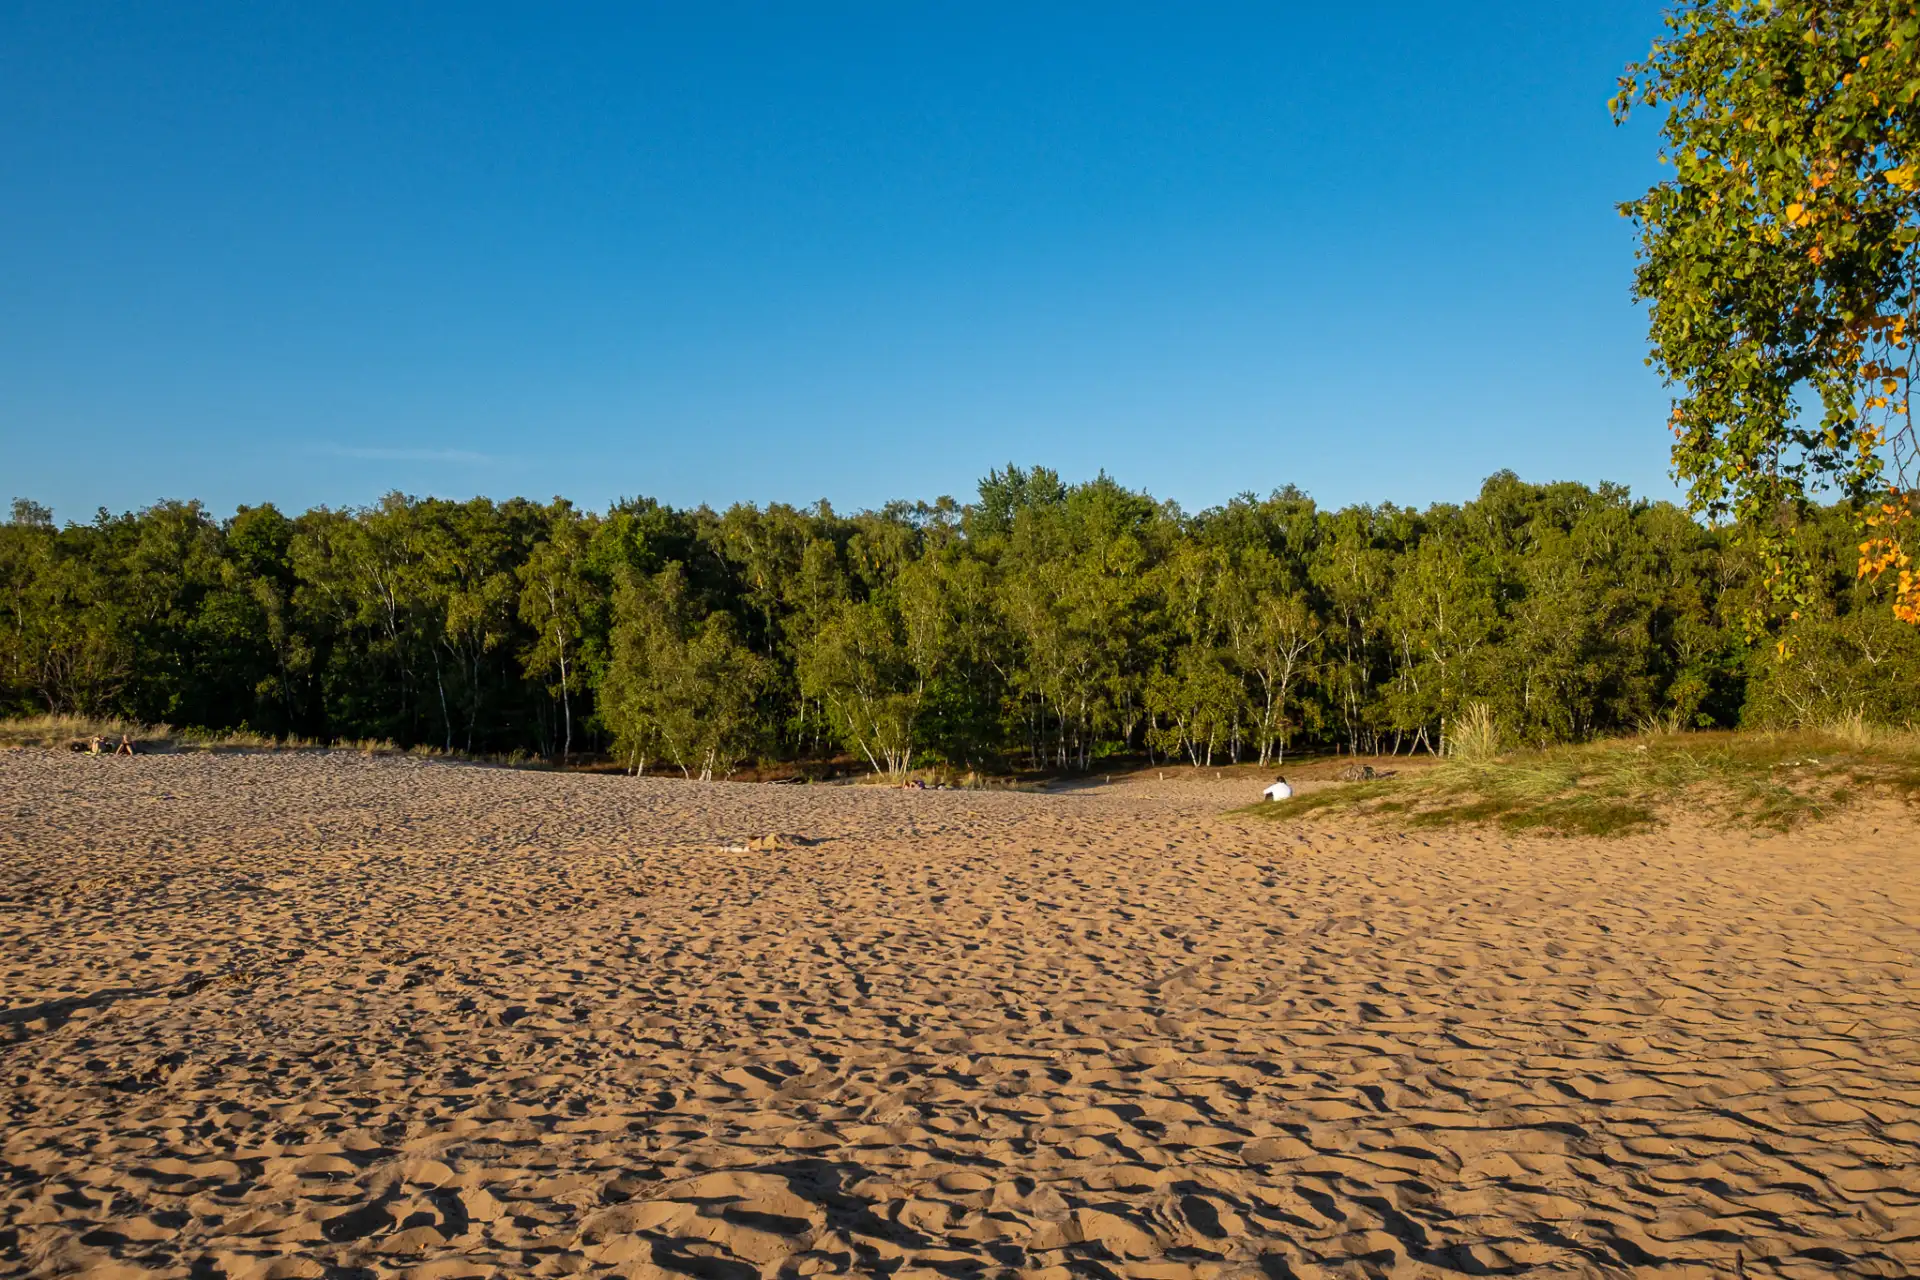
<point x="310" y="252"/>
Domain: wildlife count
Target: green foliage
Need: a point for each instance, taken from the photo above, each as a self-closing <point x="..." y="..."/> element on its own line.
<point x="556" y="604"/>
<point x="870" y="670"/>
<point x="1043" y="628"/>
<point x="1782" y="262"/>
<point x="679" y="685"/>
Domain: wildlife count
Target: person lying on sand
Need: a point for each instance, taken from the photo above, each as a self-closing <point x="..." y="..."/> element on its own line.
<point x="97" y="746"/>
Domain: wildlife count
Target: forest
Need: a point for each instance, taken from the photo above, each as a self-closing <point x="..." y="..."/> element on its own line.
<point x="1043" y="626"/>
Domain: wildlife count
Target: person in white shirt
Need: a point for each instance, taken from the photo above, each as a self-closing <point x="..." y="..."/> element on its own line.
<point x="1279" y="790"/>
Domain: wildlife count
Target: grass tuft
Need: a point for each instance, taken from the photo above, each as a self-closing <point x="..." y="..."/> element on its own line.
<point x="1473" y="738"/>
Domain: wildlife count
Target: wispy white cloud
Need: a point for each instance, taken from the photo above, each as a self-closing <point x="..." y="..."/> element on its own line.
<point x="463" y="457"/>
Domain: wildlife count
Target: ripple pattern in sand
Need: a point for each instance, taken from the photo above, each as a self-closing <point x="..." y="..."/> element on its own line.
<point x="320" y="1015"/>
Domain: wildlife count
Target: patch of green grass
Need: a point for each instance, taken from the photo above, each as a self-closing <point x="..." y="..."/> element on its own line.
<point x="1775" y="781"/>
<point x="1326" y="798"/>
<point x="1583" y="818"/>
<point x="1472" y="811"/>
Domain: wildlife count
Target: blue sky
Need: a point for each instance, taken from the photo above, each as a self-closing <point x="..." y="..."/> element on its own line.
<point x="307" y="253"/>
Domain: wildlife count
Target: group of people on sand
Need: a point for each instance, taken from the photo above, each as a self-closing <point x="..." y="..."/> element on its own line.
<point x="99" y="746"/>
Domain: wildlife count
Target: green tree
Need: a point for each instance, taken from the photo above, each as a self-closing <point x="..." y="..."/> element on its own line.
<point x="1195" y="707"/>
<point x="67" y="650"/>
<point x="1442" y="617"/>
<point x="469" y="582"/>
<point x="554" y="592"/>
<point x="364" y="587"/>
<point x="678" y="686"/>
<point x="956" y="638"/>
<point x="1782" y="260"/>
<point x="257" y="603"/>
<point x="861" y="667"/>
<point x="1275" y="638"/>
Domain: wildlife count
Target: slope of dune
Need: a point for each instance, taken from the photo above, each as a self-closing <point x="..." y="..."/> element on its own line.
<point x="310" y="1015"/>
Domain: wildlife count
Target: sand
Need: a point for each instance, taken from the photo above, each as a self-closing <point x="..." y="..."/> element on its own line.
<point x="308" y="1015"/>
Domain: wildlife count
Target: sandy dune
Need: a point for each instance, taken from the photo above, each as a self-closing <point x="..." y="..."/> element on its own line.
<point x="313" y="1015"/>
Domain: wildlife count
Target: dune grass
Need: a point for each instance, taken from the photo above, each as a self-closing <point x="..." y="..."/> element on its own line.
<point x="1773" y="781"/>
<point x="58" y="732"/>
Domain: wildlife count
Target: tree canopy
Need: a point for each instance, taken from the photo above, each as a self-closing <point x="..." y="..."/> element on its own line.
<point x="1045" y="626"/>
<point x="1782" y="264"/>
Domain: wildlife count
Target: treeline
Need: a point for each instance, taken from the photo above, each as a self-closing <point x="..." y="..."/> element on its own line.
<point x="1044" y="625"/>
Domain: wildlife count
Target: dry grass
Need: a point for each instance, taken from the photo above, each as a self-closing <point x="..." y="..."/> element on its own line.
<point x="1474" y="737"/>
<point x="1768" y="780"/>
<point x="57" y="733"/>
